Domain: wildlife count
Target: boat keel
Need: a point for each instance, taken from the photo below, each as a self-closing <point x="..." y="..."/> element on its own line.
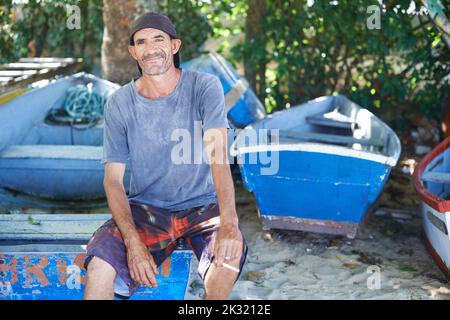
<point x="347" y="229"/>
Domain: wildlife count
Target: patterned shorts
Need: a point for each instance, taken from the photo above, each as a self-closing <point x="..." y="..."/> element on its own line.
<point x="160" y="230"/>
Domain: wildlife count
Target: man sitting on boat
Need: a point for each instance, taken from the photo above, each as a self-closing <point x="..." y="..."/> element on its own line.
<point x="167" y="201"/>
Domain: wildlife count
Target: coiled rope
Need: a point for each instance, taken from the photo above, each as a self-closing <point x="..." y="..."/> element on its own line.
<point x="83" y="107"/>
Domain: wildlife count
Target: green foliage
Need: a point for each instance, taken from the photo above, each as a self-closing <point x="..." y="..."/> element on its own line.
<point x="225" y="18"/>
<point x="302" y="52"/>
<point x="7" y="44"/>
<point x="42" y="30"/>
<point x="192" y="26"/>
<point x="326" y="48"/>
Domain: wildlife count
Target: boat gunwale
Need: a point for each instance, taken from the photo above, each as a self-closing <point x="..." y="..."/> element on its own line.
<point x="41" y="84"/>
<point x="76" y="76"/>
<point x="332" y="149"/>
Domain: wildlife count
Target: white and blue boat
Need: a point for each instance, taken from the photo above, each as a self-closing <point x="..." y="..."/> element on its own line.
<point x="432" y="182"/>
<point x="317" y="167"/>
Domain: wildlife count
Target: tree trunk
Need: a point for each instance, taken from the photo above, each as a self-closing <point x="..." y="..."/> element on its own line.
<point x="149" y="5"/>
<point x="254" y="33"/>
<point x="118" y="16"/>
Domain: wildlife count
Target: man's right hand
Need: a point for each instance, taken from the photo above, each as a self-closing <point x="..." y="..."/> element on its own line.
<point x="141" y="264"/>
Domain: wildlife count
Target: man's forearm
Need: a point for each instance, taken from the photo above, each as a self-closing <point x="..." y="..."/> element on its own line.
<point x="121" y="211"/>
<point x="223" y="181"/>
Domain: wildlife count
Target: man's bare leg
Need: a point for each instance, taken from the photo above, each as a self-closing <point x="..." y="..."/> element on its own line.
<point x="219" y="281"/>
<point x="100" y="280"/>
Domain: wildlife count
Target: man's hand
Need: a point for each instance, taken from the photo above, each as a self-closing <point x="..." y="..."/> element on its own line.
<point x="228" y="245"/>
<point x="141" y="264"/>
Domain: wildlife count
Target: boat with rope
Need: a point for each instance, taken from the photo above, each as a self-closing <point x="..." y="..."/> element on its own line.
<point x="51" y="141"/>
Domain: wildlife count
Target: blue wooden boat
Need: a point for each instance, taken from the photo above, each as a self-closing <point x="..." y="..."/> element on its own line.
<point x="243" y="106"/>
<point x="54" y="162"/>
<point x="318" y="166"/>
<point x="41" y="258"/>
<point x="432" y="183"/>
<point x="60" y="276"/>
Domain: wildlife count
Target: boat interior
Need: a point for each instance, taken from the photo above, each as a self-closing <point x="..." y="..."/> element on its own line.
<point x="436" y="176"/>
<point x="37" y="136"/>
<point x="333" y="120"/>
<point x="243" y="106"/>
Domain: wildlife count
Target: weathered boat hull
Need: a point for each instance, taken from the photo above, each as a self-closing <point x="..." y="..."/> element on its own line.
<point x="64" y="173"/>
<point x="309" y="193"/>
<point x="53" y="162"/>
<point x="41" y="257"/>
<point x="61" y="276"/>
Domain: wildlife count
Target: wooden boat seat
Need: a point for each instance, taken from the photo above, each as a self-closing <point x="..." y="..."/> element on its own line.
<point x="332" y="119"/>
<point x="64" y="226"/>
<point x="436" y="177"/>
<point x="52" y="151"/>
<point x="40" y="227"/>
<point x="330" y="138"/>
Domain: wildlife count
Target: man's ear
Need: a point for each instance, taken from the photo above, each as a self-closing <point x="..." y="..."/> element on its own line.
<point x="176" y="44"/>
<point x="132" y="51"/>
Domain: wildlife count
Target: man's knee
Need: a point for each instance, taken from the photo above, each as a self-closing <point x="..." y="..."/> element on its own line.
<point x="100" y="280"/>
<point x="99" y="268"/>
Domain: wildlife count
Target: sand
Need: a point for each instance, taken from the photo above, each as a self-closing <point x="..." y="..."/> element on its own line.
<point x="299" y="265"/>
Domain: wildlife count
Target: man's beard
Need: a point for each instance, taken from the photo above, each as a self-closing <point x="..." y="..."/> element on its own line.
<point x="155" y="70"/>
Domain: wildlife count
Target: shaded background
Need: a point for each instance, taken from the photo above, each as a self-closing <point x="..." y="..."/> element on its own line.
<point x="289" y="51"/>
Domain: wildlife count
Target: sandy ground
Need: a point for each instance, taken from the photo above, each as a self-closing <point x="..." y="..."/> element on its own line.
<point x="298" y="265"/>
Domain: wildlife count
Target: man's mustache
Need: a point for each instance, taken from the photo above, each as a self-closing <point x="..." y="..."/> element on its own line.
<point x="153" y="56"/>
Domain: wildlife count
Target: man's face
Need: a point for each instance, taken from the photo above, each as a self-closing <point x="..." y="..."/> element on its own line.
<point x="153" y="50"/>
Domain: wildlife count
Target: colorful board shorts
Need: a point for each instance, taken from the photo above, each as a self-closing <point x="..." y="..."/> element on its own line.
<point x="160" y="230"/>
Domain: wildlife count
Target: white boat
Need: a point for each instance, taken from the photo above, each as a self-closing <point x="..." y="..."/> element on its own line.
<point x="432" y="183"/>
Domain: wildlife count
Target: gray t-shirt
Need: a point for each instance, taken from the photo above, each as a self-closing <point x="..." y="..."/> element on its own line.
<point x="143" y="133"/>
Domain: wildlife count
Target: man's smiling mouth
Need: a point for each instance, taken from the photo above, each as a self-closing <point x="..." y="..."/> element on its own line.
<point x="153" y="58"/>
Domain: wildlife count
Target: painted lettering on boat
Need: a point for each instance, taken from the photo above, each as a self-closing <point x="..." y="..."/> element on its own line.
<point x="34" y="272"/>
<point x="165" y="268"/>
<point x="62" y="269"/>
<point x="37" y="273"/>
<point x="10" y="268"/>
